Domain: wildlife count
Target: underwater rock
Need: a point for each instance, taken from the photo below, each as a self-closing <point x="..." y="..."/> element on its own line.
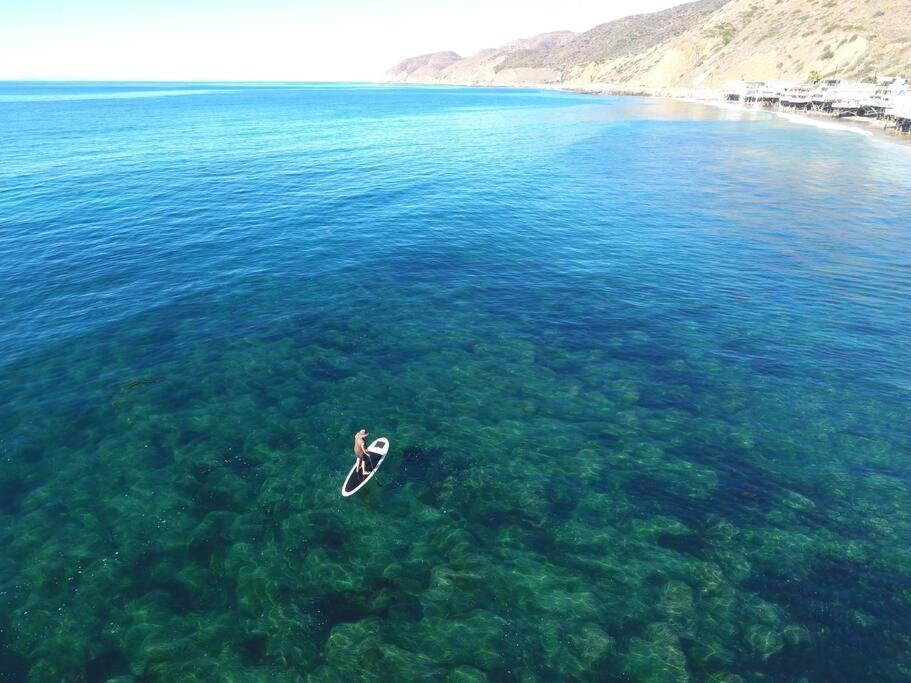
<point x="657" y="657"/>
<point x="764" y="641"/>
<point x="466" y="674"/>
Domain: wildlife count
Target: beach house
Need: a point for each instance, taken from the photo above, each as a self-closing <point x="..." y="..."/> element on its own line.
<point x="900" y="112"/>
<point x="851" y="99"/>
<point x="882" y="99"/>
<point x="796" y="96"/>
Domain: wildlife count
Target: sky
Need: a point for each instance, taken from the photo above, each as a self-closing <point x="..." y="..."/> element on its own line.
<point x="278" y="40"/>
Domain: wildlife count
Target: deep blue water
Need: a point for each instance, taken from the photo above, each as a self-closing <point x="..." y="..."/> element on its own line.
<point x="645" y="367"/>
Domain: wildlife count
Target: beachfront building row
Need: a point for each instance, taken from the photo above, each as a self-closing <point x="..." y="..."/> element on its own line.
<point x="886" y="98"/>
<point x="900" y="112"/>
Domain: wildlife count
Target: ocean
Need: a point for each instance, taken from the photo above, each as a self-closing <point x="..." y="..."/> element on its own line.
<point x="645" y="368"/>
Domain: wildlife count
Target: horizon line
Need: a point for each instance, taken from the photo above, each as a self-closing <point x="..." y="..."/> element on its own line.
<point x="171" y="80"/>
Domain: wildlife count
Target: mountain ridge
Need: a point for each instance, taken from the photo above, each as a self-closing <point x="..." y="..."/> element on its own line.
<point x="694" y="45"/>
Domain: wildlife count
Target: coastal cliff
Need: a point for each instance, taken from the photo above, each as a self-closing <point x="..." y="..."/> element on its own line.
<point x="696" y="45"/>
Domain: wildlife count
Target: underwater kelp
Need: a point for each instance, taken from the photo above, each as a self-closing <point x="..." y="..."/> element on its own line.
<point x="639" y="432"/>
<point x="509" y="540"/>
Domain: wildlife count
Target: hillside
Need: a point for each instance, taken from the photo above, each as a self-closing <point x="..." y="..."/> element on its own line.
<point x="700" y="44"/>
<point x="482" y="68"/>
<point x="628" y="35"/>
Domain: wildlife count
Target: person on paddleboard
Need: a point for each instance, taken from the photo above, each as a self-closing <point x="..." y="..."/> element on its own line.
<point x="360" y="451"/>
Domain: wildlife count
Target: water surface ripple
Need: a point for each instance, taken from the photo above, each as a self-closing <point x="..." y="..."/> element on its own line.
<point x="645" y="367"/>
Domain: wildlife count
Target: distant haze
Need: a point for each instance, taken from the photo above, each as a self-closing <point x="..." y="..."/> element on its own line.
<point x="269" y="40"/>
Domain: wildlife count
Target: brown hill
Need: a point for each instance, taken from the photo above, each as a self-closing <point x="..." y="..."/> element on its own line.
<point x="629" y="35"/>
<point x="423" y="67"/>
<point x="699" y="44"/>
<point x="480" y="69"/>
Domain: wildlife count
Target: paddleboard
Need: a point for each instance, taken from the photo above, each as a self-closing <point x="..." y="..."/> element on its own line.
<point x="355" y="481"/>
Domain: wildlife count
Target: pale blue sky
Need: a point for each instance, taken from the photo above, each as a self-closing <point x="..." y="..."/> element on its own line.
<point x="268" y="39"/>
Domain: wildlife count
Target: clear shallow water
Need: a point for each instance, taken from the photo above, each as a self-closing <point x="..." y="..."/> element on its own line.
<point x="644" y="366"/>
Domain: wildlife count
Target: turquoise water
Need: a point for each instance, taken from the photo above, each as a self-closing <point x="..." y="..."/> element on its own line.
<point x="645" y="367"/>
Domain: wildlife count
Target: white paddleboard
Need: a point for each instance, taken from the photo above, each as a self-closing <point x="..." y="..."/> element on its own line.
<point x="355" y="481"/>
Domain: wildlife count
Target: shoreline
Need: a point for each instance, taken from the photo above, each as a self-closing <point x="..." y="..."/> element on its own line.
<point x="875" y="129"/>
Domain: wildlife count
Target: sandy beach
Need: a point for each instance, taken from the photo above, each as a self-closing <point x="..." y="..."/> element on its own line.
<point x="880" y="129"/>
